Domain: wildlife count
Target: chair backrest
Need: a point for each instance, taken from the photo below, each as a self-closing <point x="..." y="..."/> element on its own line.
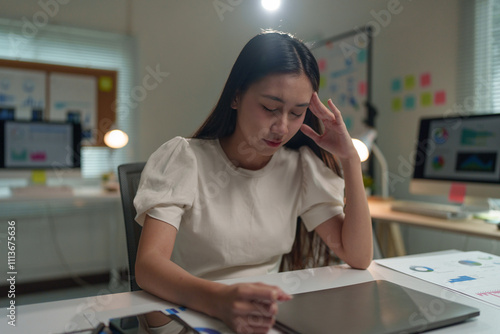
<point x="129" y="176"/>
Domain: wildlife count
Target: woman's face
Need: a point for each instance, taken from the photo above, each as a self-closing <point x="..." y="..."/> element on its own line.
<point x="270" y="112"/>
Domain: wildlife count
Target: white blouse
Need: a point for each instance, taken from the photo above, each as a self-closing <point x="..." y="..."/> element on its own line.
<point x="232" y="221"/>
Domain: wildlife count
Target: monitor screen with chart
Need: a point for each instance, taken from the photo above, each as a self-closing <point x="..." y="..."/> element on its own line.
<point x="39" y="145"/>
<point x="458" y="150"/>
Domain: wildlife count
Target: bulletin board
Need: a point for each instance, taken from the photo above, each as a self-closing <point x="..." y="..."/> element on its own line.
<point x="345" y="76"/>
<point x="38" y="91"/>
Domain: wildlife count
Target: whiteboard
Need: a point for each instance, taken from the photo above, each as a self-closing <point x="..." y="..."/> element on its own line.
<point x="345" y="74"/>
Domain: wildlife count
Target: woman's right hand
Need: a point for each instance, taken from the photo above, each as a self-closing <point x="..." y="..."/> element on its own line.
<point x="250" y="307"/>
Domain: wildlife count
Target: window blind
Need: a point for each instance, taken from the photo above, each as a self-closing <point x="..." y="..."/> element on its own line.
<point x="478" y="84"/>
<point x="32" y="41"/>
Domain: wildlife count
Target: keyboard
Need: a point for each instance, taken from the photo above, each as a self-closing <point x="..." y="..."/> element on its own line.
<point x="443" y="211"/>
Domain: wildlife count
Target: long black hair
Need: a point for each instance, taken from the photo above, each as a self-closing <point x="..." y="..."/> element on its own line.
<point x="273" y="52"/>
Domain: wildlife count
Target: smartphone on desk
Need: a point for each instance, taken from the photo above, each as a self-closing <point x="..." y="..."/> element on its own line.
<point x="155" y="322"/>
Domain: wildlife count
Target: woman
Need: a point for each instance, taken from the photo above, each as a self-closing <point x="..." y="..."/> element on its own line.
<point x="233" y="197"/>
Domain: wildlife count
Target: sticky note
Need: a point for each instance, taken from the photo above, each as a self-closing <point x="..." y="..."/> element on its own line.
<point x="425" y="80"/>
<point x="322" y="64"/>
<point x="396" y="104"/>
<point x="426" y="99"/>
<point x="362" y="56"/>
<point x="440" y="97"/>
<point x="457" y="192"/>
<point x="322" y="81"/>
<point x="362" y="88"/>
<point x="409" y="102"/>
<point x="348" y="122"/>
<point x="105" y="84"/>
<point x="409" y="82"/>
<point x="396" y="85"/>
<point x="38" y="177"/>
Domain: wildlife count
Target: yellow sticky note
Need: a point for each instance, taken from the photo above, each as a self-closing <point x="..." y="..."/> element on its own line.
<point x="397" y="104"/>
<point x="426" y="99"/>
<point x="105" y="83"/>
<point x="38" y="177"/>
<point x="409" y="82"/>
<point x="322" y="81"/>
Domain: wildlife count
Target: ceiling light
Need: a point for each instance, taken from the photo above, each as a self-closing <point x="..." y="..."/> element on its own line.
<point x="271" y="4"/>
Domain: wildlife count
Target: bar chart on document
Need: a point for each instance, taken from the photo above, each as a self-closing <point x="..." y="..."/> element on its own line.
<point x="474" y="273"/>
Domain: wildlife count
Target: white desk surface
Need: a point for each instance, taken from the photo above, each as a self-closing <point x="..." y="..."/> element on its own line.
<point x="56" y="317"/>
<point x="46" y="194"/>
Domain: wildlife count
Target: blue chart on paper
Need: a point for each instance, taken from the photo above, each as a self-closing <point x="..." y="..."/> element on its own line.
<point x="469" y="263"/>
<point x="421" y="269"/>
<point x="461" y="279"/>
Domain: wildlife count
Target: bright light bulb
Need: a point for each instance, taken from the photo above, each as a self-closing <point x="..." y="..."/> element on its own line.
<point x="271" y="4"/>
<point x="361" y="148"/>
<point x="116" y="139"/>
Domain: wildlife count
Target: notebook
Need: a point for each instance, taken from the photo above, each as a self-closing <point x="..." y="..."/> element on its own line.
<point x="372" y="307"/>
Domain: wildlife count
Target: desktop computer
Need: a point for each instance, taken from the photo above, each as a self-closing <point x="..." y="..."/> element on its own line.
<point x="458" y="157"/>
<point x="32" y="149"/>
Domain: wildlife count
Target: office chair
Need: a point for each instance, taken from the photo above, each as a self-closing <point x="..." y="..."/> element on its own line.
<point x="129" y="176"/>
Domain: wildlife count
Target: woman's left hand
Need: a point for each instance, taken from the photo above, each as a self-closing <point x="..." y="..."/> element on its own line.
<point x="335" y="138"/>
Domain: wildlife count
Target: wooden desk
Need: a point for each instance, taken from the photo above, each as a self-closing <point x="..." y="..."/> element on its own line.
<point x="388" y="232"/>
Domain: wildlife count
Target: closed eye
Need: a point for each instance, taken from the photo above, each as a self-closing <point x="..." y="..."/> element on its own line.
<point x="271" y="110"/>
<point x="298" y="112"/>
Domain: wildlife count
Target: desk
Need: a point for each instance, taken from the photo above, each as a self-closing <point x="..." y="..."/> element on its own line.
<point x="381" y="210"/>
<point x="55" y="317"/>
<point x="79" y="234"/>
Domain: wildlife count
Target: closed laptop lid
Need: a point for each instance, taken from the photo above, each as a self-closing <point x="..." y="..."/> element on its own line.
<point x="372" y="307"/>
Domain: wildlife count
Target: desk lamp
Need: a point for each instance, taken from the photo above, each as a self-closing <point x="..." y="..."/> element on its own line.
<point x="364" y="145"/>
<point x="114" y="139"/>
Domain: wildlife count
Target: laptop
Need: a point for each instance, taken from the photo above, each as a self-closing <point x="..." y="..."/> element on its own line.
<point x="373" y="307"/>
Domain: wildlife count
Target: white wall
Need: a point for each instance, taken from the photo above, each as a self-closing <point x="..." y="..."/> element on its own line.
<point x="105" y="15"/>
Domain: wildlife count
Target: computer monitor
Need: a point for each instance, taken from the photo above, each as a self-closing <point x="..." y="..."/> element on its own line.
<point x="7" y="113"/>
<point x="39" y="145"/>
<point x="458" y="151"/>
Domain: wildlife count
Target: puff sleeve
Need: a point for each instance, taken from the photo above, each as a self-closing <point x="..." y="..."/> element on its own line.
<point x="322" y="193"/>
<point x="168" y="183"/>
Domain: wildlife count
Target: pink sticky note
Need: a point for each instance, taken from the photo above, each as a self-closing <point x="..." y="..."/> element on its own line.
<point x="322" y="64"/>
<point x="425" y="80"/>
<point x="362" y="88"/>
<point x="457" y="192"/>
<point x="440" y="97"/>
